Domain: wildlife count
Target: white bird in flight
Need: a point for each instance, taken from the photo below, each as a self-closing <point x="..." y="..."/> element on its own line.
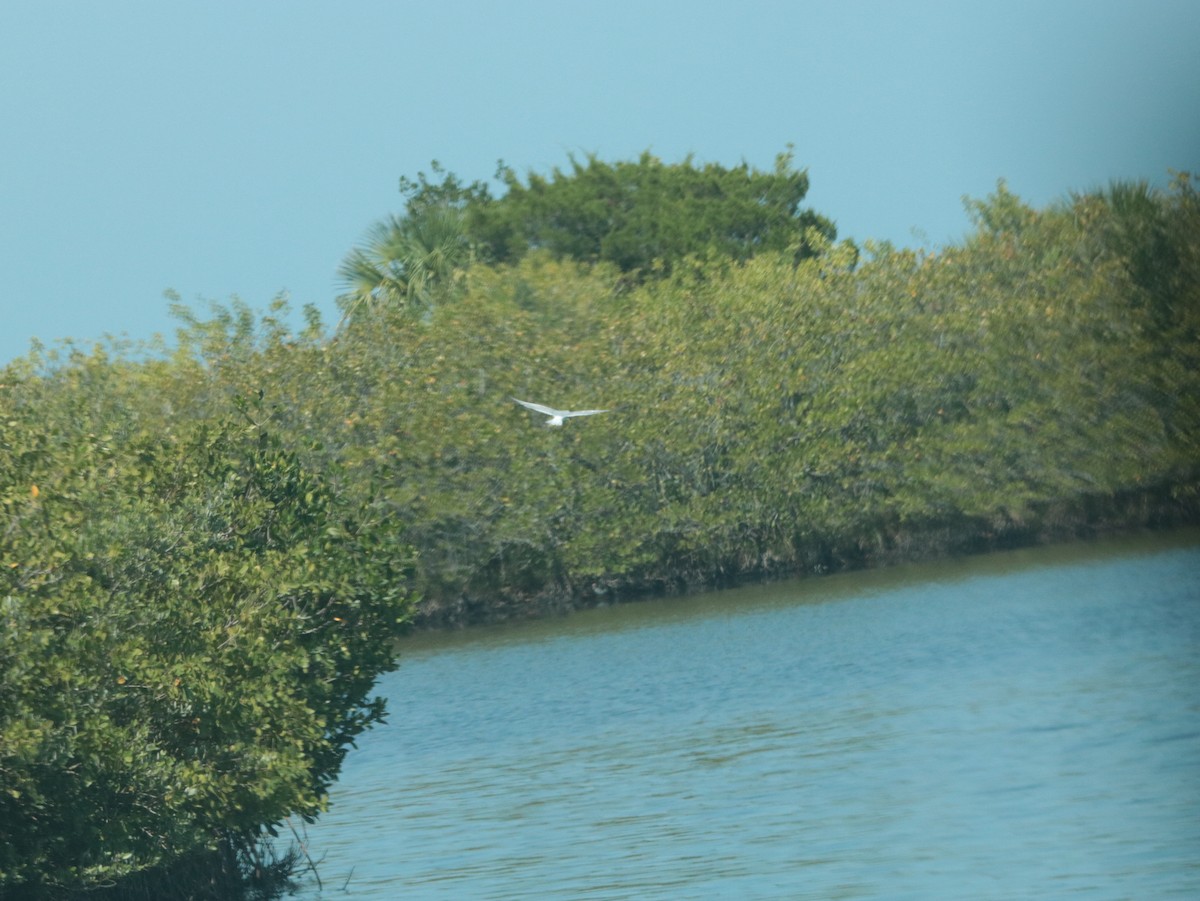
<point x="557" y="416"/>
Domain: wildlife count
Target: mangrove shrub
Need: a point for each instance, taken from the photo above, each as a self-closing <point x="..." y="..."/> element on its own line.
<point x="190" y="627"/>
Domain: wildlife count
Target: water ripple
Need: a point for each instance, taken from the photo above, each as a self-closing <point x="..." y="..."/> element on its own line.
<point x="1008" y="732"/>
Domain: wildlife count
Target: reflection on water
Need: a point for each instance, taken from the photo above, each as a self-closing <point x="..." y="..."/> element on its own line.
<point x="1022" y="725"/>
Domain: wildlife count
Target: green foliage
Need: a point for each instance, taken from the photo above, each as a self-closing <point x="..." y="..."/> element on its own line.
<point x="640" y="216"/>
<point x="191" y="626"/>
<point x="769" y="416"/>
<point x="643" y="217"/>
<point x="405" y="259"/>
<point x="195" y="603"/>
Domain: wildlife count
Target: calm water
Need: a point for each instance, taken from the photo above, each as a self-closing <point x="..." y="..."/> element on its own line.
<point x="1016" y="726"/>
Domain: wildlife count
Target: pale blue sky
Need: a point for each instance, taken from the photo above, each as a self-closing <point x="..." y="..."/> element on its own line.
<point x="243" y="147"/>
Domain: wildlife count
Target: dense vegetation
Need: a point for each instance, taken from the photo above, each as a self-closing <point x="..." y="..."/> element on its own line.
<point x="780" y="416"/>
<point x="192" y="624"/>
<point x="642" y="217"/>
<point x="205" y="553"/>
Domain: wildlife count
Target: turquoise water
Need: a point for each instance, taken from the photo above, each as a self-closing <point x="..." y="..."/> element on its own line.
<point x="1012" y="726"/>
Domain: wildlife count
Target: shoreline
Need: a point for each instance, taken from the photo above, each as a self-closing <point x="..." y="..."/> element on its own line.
<point x="1162" y="508"/>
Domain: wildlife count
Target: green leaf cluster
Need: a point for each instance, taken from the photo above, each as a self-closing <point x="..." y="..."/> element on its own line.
<point x="643" y="216"/>
<point x="191" y="623"/>
<point x="770" y="415"/>
<point x="647" y="214"/>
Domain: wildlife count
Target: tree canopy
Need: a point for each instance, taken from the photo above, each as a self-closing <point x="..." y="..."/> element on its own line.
<point x="205" y="554"/>
<point x="190" y="629"/>
<point x="641" y="216"/>
<point x="647" y="213"/>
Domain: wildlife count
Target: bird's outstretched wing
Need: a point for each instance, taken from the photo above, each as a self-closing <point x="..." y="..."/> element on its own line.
<point x="565" y="413"/>
<point x="549" y="411"/>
